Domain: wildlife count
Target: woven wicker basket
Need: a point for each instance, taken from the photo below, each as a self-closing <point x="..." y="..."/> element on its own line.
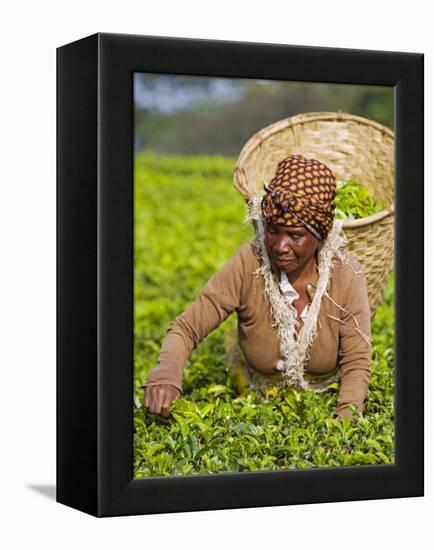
<point x="353" y="148"/>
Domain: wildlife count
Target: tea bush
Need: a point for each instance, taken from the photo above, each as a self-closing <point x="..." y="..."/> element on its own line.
<point x="188" y="222"/>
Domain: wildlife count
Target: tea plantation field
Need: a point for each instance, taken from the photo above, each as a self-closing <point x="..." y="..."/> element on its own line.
<point x="188" y="222"/>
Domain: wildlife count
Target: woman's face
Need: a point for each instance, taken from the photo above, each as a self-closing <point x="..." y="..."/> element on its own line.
<point x="290" y="248"/>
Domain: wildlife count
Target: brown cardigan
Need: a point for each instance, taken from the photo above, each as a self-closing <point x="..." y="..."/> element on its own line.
<point x="235" y="288"/>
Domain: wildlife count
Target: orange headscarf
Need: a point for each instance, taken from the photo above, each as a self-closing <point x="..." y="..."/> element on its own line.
<point x="301" y="193"/>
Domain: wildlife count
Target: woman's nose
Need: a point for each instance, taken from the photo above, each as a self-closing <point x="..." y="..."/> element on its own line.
<point x="282" y="245"/>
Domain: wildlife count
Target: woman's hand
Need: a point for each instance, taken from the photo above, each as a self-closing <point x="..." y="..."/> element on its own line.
<point x="344" y="413"/>
<point x="158" y="398"/>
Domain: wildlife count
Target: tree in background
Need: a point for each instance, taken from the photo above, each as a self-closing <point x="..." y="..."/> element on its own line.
<point x="200" y="115"/>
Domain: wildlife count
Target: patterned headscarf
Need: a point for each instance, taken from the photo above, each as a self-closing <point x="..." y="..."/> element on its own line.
<point x="301" y="192"/>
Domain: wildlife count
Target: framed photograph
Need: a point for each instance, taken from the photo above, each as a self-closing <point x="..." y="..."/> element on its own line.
<point x="239" y="274"/>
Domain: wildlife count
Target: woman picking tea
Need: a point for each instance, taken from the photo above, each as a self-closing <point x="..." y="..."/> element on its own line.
<point x="301" y="299"/>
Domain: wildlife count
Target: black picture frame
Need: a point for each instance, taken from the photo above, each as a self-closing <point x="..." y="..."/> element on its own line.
<point x="95" y="274"/>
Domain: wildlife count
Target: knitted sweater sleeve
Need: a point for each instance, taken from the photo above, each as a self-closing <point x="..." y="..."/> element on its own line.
<point x="354" y="340"/>
<point x="215" y="302"/>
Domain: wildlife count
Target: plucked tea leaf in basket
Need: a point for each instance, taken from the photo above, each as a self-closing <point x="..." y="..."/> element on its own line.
<point x="354" y="201"/>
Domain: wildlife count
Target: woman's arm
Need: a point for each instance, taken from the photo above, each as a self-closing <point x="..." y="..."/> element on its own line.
<point x="216" y="301"/>
<point x="355" y="350"/>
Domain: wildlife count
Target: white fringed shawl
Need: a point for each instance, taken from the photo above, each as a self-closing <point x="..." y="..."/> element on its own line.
<point x="295" y="351"/>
